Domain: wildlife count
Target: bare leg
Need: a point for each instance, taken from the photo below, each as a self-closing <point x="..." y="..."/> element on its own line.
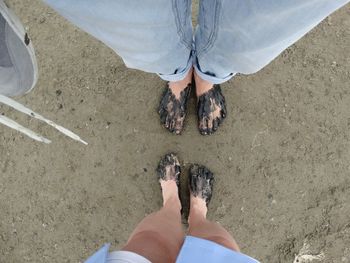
<point x="159" y="236"/>
<point x="178" y="86"/>
<point x="200" y="227"/>
<point x="201" y="183"/>
<point x="202" y="86"/>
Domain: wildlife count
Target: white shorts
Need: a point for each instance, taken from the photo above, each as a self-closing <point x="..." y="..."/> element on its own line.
<point x="125" y="257"/>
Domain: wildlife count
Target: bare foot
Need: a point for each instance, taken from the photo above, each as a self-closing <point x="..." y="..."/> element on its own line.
<point x="168" y="173"/>
<point x="173" y="105"/>
<point x="211" y="106"/>
<point x="201" y="182"/>
<point x="178" y="86"/>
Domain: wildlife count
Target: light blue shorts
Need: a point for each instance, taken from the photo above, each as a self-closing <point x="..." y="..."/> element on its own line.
<point x="193" y="250"/>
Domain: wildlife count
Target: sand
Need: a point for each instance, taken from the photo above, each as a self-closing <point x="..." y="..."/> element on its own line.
<point x="281" y="160"/>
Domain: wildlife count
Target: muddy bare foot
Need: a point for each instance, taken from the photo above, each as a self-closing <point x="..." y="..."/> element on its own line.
<point x="168" y="173"/>
<point x="169" y="168"/>
<point x="211" y="110"/>
<point x="173" y="110"/>
<point x="211" y="105"/>
<point x="201" y="181"/>
<point x="173" y="105"/>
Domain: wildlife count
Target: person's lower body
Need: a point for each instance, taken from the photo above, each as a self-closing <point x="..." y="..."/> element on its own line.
<point x="232" y="37"/>
<point x="159" y="237"/>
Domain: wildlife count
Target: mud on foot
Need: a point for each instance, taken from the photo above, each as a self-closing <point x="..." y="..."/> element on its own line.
<point x="172" y="110"/>
<point x="169" y="168"/>
<point x="201" y="181"/>
<point x="211" y="110"/>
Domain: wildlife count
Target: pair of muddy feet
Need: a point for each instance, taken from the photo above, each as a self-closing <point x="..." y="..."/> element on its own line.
<point x="201" y="179"/>
<point x="211" y="106"/>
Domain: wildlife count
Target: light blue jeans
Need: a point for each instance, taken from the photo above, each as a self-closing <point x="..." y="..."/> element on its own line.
<point x="232" y="36"/>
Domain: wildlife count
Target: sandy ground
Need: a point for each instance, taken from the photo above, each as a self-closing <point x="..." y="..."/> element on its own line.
<point x="282" y="159"/>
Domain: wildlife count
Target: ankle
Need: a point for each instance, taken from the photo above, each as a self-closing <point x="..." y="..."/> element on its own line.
<point x="202" y="86"/>
<point x="173" y="203"/>
<point x="178" y="86"/>
<point x="198" y="208"/>
<point x="170" y="193"/>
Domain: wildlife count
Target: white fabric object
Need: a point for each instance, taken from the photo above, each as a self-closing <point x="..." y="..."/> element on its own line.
<point x="10" y="102"/>
<point x="126" y="257"/>
<point x="18" y="127"/>
<point x="16" y="47"/>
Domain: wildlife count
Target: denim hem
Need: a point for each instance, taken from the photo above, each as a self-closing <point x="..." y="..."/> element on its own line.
<point x="179" y="75"/>
<point x="212" y="79"/>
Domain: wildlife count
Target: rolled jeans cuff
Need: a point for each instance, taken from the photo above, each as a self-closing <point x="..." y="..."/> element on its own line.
<point x="178" y="75"/>
<point x="210" y="78"/>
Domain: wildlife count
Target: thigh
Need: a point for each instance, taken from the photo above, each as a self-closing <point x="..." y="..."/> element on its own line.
<point x="153" y="247"/>
<point x="158" y="236"/>
<point x="213" y="232"/>
<point x="150" y="35"/>
<point x="237" y="36"/>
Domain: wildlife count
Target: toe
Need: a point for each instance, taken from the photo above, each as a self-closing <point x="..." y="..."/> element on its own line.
<point x="163" y="116"/>
<point x="210" y="124"/>
<point x="167" y="121"/>
<point x="216" y="124"/>
<point x="223" y="113"/>
<point x="172" y="125"/>
<point x="201" y="126"/>
<point x="178" y="126"/>
<point x="180" y="120"/>
<point x="204" y="131"/>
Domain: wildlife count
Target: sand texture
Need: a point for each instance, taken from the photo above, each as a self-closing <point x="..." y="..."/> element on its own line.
<point x="281" y="159"/>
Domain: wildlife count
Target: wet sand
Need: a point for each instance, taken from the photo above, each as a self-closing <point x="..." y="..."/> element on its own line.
<point x="281" y="159"/>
